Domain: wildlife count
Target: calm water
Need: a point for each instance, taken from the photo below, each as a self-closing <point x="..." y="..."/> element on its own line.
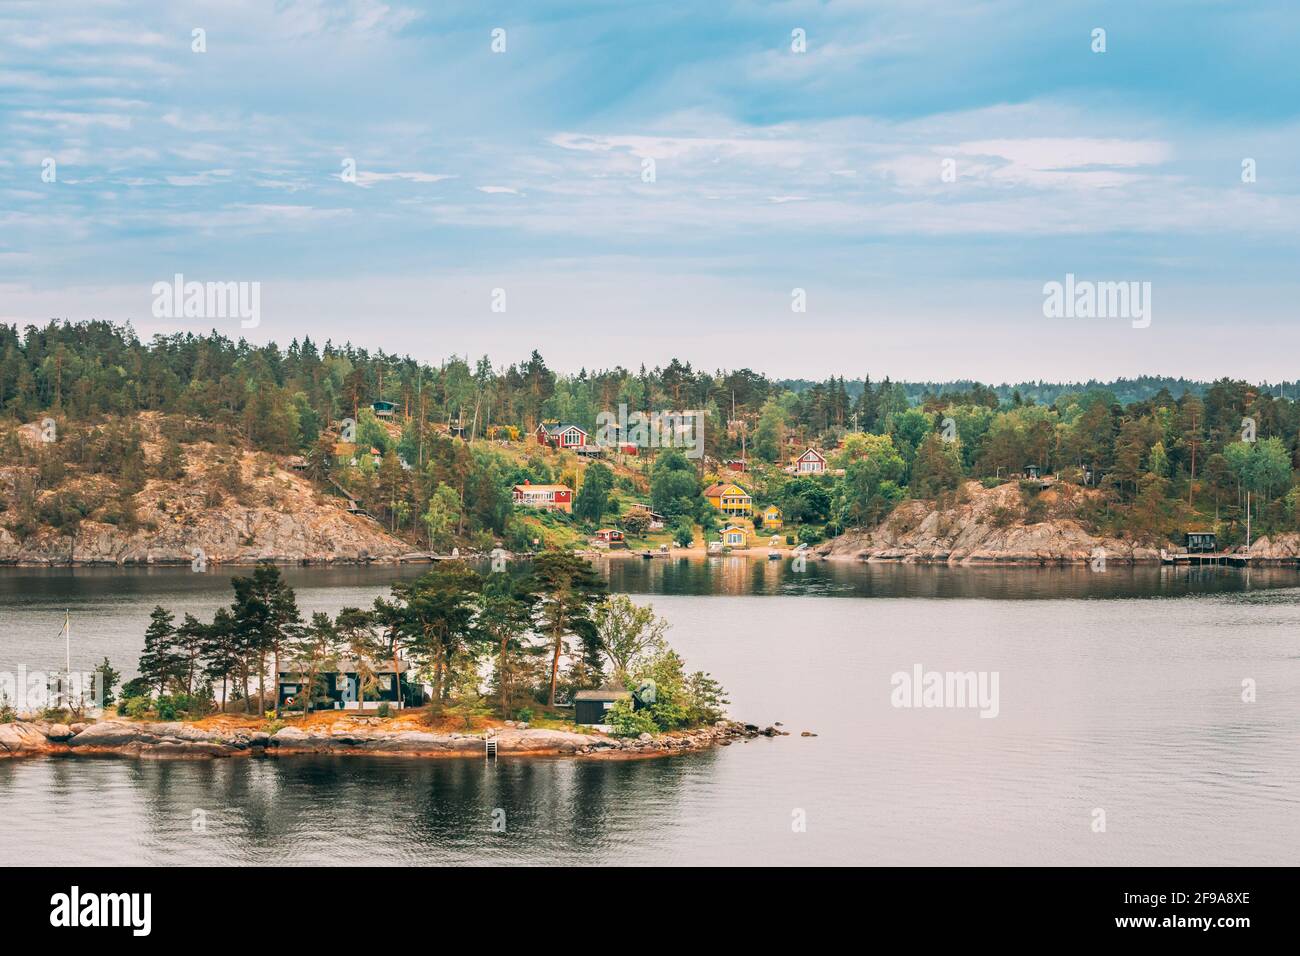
<point x="1118" y="691"/>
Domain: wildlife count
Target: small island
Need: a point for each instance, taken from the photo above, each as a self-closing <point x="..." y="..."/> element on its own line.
<point x="454" y="663"/>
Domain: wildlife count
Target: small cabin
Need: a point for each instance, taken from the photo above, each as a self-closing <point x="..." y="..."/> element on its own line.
<point x="383" y="409"/>
<point x="773" y="517"/>
<point x="297" y="462"/>
<point x="1201" y="542"/>
<point x="736" y="464"/>
<point x="342" y="688"/>
<point x="1031" y="471"/>
<point x="609" y="534"/>
<point x="734" y="537"/>
<point x="589" y="706"/>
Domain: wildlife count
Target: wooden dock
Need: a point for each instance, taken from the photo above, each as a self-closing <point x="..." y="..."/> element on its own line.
<point x="1228" y="558"/>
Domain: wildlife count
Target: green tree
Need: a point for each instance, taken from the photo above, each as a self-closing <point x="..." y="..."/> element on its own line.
<point x="507" y="608"/>
<point x="160" y="661"/>
<point x="441" y="610"/>
<point x="441" y="517"/>
<point x="265" y="618"/>
<point x="106" y="678"/>
<point x="936" y="468"/>
<point x="769" y="434"/>
<point x="570" y="589"/>
<point x="674" y="487"/>
<point x="223" y="654"/>
<point x="316" y="650"/>
<point x="869" y="488"/>
<point x="627" y="632"/>
<point x="593" y="496"/>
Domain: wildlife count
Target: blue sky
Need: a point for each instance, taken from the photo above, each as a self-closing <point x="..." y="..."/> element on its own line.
<point x="774" y="170"/>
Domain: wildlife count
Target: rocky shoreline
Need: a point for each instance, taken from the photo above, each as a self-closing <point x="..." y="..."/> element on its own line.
<point x="176" y="739"/>
<point x="992" y="527"/>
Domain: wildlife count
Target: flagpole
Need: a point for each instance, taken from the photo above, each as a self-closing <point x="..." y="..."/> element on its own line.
<point x="67" y="657"/>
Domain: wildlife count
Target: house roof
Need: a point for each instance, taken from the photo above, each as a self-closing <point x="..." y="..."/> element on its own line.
<point x="384" y="402"/>
<point x="720" y="488"/>
<point x="555" y="428"/>
<point x="734" y="527"/>
<point x="602" y="694"/>
<point x="811" y="451"/>
<point x="542" y="488"/>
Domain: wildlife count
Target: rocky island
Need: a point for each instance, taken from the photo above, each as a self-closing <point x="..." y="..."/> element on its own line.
<point x="347" y="736"/>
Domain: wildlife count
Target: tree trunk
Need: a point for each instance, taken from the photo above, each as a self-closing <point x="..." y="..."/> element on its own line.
<point x="275" y="682"/>
<point x="555" y="666"/>
<point x="501" y="673"/>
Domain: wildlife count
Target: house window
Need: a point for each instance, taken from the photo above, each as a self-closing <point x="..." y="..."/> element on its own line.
<point x="386" y="682"/>
<point x="340" y="681"/>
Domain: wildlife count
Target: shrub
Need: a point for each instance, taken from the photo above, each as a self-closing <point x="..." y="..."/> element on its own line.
<point x="1002" y="517"/>
<point x="383" y="710"/>
<point x="626" y="721"/>
<point x="7" y="713"/>
<point x="134" y="706"/>
<point x="525" y="714"/>
<point x="166" y="707"/>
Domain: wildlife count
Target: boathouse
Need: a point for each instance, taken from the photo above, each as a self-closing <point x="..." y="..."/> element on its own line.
<point x="589" y="706"/>
<point x="1202" y="542"/>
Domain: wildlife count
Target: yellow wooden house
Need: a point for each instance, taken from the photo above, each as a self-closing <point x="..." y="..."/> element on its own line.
<point x="773" y="519"/>
<point x="734" y="537"/>
<point x="729" y="499"/>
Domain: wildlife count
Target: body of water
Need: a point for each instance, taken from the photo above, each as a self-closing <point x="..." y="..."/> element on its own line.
<point x="1119" y="702"/>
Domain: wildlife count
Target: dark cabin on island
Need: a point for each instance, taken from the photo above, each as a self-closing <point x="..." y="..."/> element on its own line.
<point x="383" y="409"/>
<point x="340" y="689"/>
<point x="1031" y="471"/>
<point x="589" y="706"/>
<point x="1201" y="542"/>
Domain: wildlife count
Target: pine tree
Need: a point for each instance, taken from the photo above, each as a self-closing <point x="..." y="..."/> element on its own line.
<point x="160" y="660"/>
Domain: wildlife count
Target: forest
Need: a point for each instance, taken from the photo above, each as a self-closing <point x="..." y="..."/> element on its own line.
<point x="1183" y="453"/>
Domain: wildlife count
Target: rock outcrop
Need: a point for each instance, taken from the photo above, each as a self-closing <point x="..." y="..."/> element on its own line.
<point x="20" y="739"/>
<point x="273" y="514"/>
<point x="988" y="526"/>
<point x="176" y="739"/>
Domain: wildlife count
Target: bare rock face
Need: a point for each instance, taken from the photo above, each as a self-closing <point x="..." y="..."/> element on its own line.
<point x="1280" y="547"/>
<point x="990" y="526"/>
<point x="21" y="738"/>
<point x="276" y="515"/>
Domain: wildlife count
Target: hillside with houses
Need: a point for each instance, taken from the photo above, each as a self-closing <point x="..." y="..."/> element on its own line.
<point x="188" y="447"/>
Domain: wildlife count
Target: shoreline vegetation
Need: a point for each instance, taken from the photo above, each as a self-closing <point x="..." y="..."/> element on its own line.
<point x="196" y="449"/>
<point x="527" y="661"/>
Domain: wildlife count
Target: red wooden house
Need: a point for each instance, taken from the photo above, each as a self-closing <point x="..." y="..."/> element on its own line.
<point x="561" y="435"/>
<point x="545" y="497"/>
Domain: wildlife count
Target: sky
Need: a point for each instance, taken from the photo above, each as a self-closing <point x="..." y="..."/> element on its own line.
<point x="624" y="183"/>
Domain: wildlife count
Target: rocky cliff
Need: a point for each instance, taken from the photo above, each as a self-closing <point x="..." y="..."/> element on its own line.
<point x="233" y="506"/>
<point x="991" y="526"/>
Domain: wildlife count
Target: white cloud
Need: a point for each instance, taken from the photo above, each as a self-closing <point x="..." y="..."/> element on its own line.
<point x="369" y="178"/>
